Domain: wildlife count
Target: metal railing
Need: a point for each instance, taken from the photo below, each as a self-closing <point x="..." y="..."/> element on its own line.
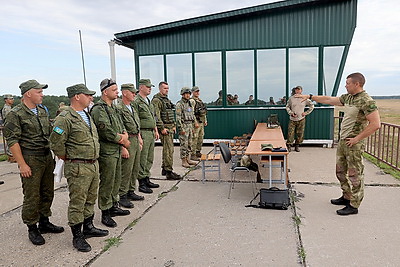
<point x="384" y="144"/>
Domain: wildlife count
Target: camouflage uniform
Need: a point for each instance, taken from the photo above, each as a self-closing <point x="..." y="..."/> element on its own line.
<point x="297" y="124"/>
<point x="184" y="122"/>
<point x="200" y="112"/>
<point x="109" y="125"/>
<point x="73" y="138"/>
<point x="164" y="112"/>
<point x="32" y="132"/>
<point x="349" y="162"/>
<point x="147" y="124"/>
<point x="130" y="166"/>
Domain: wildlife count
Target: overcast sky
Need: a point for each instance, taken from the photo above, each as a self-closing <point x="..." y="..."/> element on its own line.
<point x="40" y="39"/>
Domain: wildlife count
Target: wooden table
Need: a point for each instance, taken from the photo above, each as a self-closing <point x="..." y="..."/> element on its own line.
<point x="271" y="159"/>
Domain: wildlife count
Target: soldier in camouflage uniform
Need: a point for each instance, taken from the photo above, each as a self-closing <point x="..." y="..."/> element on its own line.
<point x="200" y="113"/>
<point x="112" y="136"/>
<point x="149" y="133"/>
<point x="74" y="139"/>
<point x="8" y="102"/>
<point x="165" y="121"/>
<point x="130" y="156"/>
<point x="27" y="131"/>
<point x="184" y="122"/>
<point x="360" y="121"/>
<point x="295" y="109"/>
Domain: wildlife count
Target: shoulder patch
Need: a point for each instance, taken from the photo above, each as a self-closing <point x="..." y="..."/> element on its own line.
<point x="58" y="130"/>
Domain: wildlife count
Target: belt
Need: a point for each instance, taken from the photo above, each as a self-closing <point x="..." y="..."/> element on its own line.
<point x="146" y="129"/>
<point x="89" y="161"/>
<point x="38" y="152"/>
<point x="187" y="122"/>
<point x="132" y="135"/>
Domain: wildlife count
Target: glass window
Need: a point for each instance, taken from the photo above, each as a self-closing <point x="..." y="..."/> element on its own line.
<point x="303" y="69"/>
<point x="332" y="58"/>
<point x="240" y="76"/>
<point x="179" y="74"/>
<point x="152" y="67"/>
<point x="271" y="77"/>
<point x="209" y="77"/>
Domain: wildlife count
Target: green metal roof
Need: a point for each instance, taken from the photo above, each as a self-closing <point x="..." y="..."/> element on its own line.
<point x="291" y="23"/>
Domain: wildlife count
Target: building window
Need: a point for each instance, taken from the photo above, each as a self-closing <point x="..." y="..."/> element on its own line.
<point x="208" y="77"/>
<point x="239" y="76"/>
<point x="152" y="67"/>
<point x="271" y="77"/>
<point x="179" y="74"/>
<point x="332" y="58"/>
<point x="303" y="69"/>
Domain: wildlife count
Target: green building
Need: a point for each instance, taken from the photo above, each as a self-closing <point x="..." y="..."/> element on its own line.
<point x="261" y="52"/>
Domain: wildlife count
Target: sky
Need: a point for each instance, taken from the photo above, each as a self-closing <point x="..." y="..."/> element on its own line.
<point x="40" y="40"/>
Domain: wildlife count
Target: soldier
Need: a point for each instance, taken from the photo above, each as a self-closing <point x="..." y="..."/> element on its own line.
<point x="130" y="156"/>
<point x="200" y="113"/>
<point x="297" y="123"/>
<point x="27" y="131"/>
<point x="149" y="133"/>
<point x="74" y="139"/>
<point x="112" y="136"/>
<point x="8" y="102"/>
<point x="184" y="121"/>
<point x="164" y="111"/>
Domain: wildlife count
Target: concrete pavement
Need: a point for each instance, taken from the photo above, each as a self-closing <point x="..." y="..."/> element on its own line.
<point x="187" y="223"/>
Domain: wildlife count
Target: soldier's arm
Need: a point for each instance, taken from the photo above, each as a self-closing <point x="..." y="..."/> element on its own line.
<point x="178" y="112"/>
<point x="310" y="106"/>
<point x="157" y="110"/>
<point x="104" y="127"/>
<point x="58" y="137"/>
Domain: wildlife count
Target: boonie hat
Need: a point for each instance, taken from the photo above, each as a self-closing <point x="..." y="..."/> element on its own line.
<point x="106" y="83"/>
<point x="146" y="82"/>
<point x="8" y="96"/>
<point x="129" y="86"/>
<point x="30" y="84"/>
<point x="195" y="88"/>
<point x="185" y="90"/>
<point x="79" y="89"/>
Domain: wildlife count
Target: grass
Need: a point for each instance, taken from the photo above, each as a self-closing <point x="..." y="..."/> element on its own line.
<point x="3" y="157"/>
<point x="113" y="241"/>
<point x="383" y="166"/>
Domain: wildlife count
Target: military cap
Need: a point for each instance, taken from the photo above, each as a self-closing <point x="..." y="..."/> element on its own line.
<point x="79" y="89"/>
<point x="129" y="86"/>
<point x="195" y="88"/>
<point x="8" y="96"/>
<point x="106" y="83"/>
<point x="185" y="90"/>
<point x="298" y="87"/>
<point x="146" y="82"/>
<point x="28" y="85"/>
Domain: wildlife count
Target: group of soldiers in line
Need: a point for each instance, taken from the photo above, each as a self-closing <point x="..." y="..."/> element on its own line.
<point x="105" y="150"/>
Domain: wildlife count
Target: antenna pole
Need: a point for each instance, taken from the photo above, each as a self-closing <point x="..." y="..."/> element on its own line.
<point x="83" y="60"/>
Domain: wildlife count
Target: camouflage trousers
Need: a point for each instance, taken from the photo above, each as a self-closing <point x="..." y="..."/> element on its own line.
<point x="110" y="179"/>
<point x="147" y="154"/>
<point x="167" y="142"/>
<point x="83" y="183"/>
<point x="198" y="136"/>
<point x="350" y="171"/>
<point x="296" y="128"/>
<point x="38" y="189"/>
<point x="130" y="167"/>
<point x="186" y="140"/>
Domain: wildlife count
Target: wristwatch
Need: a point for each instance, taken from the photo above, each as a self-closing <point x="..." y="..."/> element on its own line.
<point x="310" y="96"/>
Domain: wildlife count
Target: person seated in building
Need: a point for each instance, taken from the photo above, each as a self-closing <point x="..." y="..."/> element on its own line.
<point x="230" y="100"/>
<point x="218" y="102"/>
<point x="236" y="99"/>
<point x="282" y="101"/>
<point x="271" y="101"/>
<point x="250" y="101"/>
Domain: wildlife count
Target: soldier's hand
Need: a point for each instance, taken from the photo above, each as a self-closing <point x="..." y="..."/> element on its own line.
<point x="127" y="143"/>
<point x="124" y="153"/>
<point x="156" y="135"/>
<point x="196" y="125"/>
<point x="164" y="131"/>
<point x="205" y="124"/>
<point x="25" y="171"/>
<point x="182" y="133"/>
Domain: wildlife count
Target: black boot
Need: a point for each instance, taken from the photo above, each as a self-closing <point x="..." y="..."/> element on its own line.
<point x="340" y="201"/>
<point x="348" y="210"/>
<point x="89" y="230"/>
<point x="45" y="226"/>
<point x="163" y="172"/>
<point x="124" y="202"/>
<point x="173" y="176"/>
<point x="117" y="211"/>
<point x="296" y="148"/>
<point x="150" y="184"/>
<point x="106" y="219"/>
<point x="143" y="186"/>
<point x="78" y="240"/>
<point x="34" y="235"/>
<point x="289" y="147"/>
<point x="132" y="196"/>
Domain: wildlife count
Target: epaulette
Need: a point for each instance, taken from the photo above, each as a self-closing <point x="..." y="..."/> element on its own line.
<point x="63" y="113"/>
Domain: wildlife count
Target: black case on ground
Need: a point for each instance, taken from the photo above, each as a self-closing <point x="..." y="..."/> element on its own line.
<point x="274" y="198"/>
